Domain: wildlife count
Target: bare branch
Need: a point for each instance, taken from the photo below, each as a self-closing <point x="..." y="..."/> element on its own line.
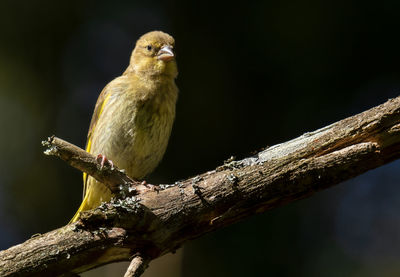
<point x="86" y="162"/>
<point x="157" y="222"/>
<point x="136" y="267"/>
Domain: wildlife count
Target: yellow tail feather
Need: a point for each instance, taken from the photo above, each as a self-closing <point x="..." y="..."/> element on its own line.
<point x="96" y="193"/>
<point x="82" y="207"/>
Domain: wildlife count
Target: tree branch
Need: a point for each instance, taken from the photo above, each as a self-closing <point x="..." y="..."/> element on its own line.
<point x="136" y="267"/>
<point x="154" y="223"/>
<point x="76" y="157"/>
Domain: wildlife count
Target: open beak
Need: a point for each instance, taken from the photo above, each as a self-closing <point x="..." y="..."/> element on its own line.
<point x="166" y="54"/>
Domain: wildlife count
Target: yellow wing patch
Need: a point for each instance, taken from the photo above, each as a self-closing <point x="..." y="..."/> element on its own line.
<point x="88" y="146"/>
<point x="89" y="139"/>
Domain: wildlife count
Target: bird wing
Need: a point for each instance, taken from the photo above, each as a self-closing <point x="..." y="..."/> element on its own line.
<point x="98" y="110"/>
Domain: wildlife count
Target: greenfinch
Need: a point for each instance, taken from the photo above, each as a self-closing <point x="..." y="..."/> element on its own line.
<point x="133" y="116"/>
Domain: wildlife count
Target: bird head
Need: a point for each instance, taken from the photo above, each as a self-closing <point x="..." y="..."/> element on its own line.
<point x="154" y="55"/>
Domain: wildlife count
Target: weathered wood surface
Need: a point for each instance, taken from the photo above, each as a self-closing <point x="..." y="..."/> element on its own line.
<point x="154" y="223"/>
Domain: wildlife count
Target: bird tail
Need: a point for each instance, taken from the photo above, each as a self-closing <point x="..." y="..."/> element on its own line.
<point x="95" y="194"/>
<point x="82" y="207"/>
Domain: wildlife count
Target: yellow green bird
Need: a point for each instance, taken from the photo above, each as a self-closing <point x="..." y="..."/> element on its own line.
<point x="133" y="116"/>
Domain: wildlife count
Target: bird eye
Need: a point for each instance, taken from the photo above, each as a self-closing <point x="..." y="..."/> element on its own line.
<point x="149" y="47"/>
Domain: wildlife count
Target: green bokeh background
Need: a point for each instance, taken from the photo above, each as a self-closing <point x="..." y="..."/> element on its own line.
<point x="252" y="74"/>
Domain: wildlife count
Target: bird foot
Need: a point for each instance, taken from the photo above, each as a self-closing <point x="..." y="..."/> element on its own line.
<point x="102" y="160"/>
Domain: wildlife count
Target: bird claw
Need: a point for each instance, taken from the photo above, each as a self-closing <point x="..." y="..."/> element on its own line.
<point x="102" y="160"/>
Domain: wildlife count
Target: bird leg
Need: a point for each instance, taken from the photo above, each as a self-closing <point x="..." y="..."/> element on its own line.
<point x="102" y="160"/>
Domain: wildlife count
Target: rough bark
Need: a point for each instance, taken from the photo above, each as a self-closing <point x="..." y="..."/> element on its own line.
<point x="136" y="267"/>
<point x="154" y="223"/>
<point x="108" y="174"/>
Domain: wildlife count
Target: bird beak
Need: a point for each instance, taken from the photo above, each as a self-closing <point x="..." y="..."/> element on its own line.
<point x="165" y="54"/>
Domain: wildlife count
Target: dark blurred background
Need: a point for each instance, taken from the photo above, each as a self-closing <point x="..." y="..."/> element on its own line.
<point x="252" y="74"/>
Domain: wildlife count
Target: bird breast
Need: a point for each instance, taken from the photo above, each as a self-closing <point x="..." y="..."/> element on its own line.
<point x="137" y="136"/>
